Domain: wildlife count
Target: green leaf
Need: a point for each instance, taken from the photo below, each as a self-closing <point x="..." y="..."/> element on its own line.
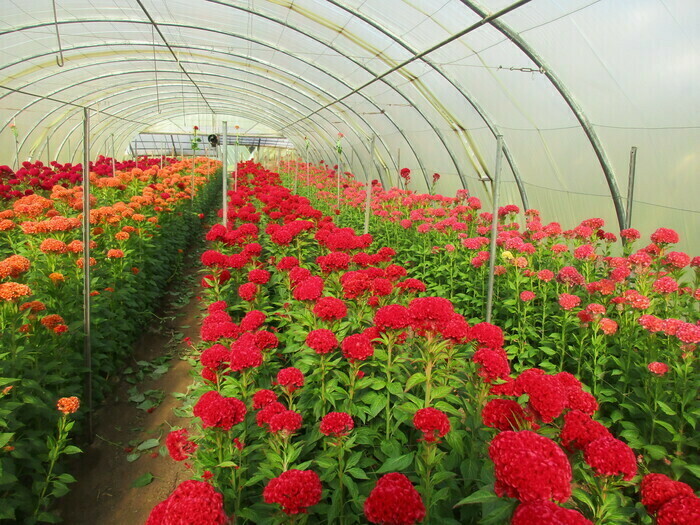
<point x="694" y="469"/>
<point x="71" y="449"/>
<point x="396" y="464"/>
<point x="655" y="451"/>
<point x="666" y="409"/>
<point x="143" y="480"/>
<point x="357" y="473"/>
<point x="415" y="379"/>
<point x="480" y="496"/>
<point x="226" y="464"/>
<point x="5" y="438"/>
<point x="133" y="457"/>
<point x="149" y="443"/>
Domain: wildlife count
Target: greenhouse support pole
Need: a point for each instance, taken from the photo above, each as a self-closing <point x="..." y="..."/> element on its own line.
<point x="48" y="152"/>
<point x="368" y="201"/>
<point x="224" y="173"/>
<point x="494" y="226"/>
<point x="114" y="162"/>
<point x="337" y="177"/>
<point x="235" y="158"/>
<point x="398" y="176"/>
<point x="87" y="347"/>
<point x="630" y="186"/>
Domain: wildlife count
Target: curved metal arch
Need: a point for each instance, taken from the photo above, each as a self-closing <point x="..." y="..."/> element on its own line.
<point x="302" y="79"/>
<point x="473" y="103"/>
<point x="574" y="106"/>
<point x="264" y="44"/>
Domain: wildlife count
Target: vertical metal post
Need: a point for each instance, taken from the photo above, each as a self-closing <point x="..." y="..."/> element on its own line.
<point x="235" y="155"/>
<point x="114" y="162"/>
<point x="48" y="151"/>
<point x="630" y="186"/>
<point x="398" y="175"/>
<point x="224" y="173"/>
<point x="495" y="185"/>
<point x="308" y="162"/>
<point x="369" y="184"/>
<point x="87" y="346"/>
<point x="337" y="176"/>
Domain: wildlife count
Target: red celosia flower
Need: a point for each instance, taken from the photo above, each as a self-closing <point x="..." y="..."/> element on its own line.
<point x="294" y="490"/>
<point x="677" y="259"/>
<point x="657" y="489"/>
<point x="611" y="457"/>
<point x="248" y="291"/>
<point x="392" y="317"/>
<point x="658" y="368"/>
<point x="665" y="236"/>
<point x="357" y="347"/>
<point x="681" y="510"/>
<point x="568" y="301"/>
<point x="245" y="353"/>
<point x="579" y="430"/>
<point x="548" y="397"/>
<point x="428" y="314"/>
<point x="570" y="276"/>
<point x="394" y="501"/>
<point x="252" y="321"/>
<point x="290" y="378"/>
<point x="488" y="335"/>
<point x="545" y="512"/>
<point x="330" y="309"/>
<point x="336" y="424"/>
<point x="457" y="330"/>
<point x="432" y="422"/>
<point x="494" y="364"/>
<point x="193" y="502"/>
<point x="688" y="333"/>
<point x="630" y="234"/>
<point x="262" y="398"/>
<point x="322" y="341"/>
<point x="504" y="414"/>
<point x="545" y="275"/>
<point x="608" y="326"/>
<point x="665" y="285"/>
<point x="287" y="421"/>
<point x="259" y="276"/>
<point x="530" y="467"/>
<point x="215" y="357"/>
<point x="266" y="340"/>
<point x="309" y="289"/>
<point x="217" y="411"/>
<point x="527" y="296"/>
<point x="179" y="446"/>
<point x="214" y="258"/>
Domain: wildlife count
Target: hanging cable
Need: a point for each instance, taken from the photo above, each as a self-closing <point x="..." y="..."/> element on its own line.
<point x="59" y="61"/>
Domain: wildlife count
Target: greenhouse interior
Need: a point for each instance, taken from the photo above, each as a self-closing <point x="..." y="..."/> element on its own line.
<point x="349" y="261"/>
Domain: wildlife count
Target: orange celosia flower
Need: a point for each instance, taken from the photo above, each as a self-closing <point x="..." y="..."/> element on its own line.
<point x="121" y="236"/>
<point x="115" y="254"/>
<point x="6" y="225"/>
<point x="56" y="277"/>
<point x="34" y="306"/>
<point x="75" y="246"/>
<point x="51" y="321"/>
<point x="68" y="405"/>
<point x="94" y="293"/>
<point x="109" y="289"/>
<point x="81" y="262"/>
<point x="10" y="291"/>
<point x="138" y="217"/>
<point x="135" y="270"/>
<point x="13" y="266"/>
<point x="53" y="246"/>
<point x="59" y="329"/>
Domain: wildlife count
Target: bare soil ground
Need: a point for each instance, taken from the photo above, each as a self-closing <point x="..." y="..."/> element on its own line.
<point x="103" y="493"/>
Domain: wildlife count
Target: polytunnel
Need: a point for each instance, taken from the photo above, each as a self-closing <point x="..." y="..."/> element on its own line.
<point x="436" y="274"/>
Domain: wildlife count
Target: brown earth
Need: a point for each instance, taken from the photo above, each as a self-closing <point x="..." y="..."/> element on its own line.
<point x="103" y="493"/>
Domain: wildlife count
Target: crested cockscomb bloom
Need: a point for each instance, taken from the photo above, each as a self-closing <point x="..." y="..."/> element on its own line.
<point x="432" y="422"/>
<point x="336" y="424"/>
<point x="263" y="417"/>
<point x="179" y="446"/>
<point x="290" y="378"/>
<point x="608" y="326"/>
<point x="570" y="276"/>
<point x="394" y="501"/>
<point x="665" y="285"/>
<point x="530" y="467"/>
<point x="568" y="301"/>
<point x="262" y="398"/>
<point x="287" y="263"/>
<point x="286" y="421"/>
<point x="322" y="341"/>
<point x="504" y="414"/>
<point x="252" y="321"/>
<point x="357" y="347"/>
<point x="677" y="259"/>
<point x="248" y="291"/>
<point x="611" y="457"/>
<point x="259" y="276"/>
<point x="215" y="357"/>
<point x="665" y="236"/>
<point x="68" y="405"/>
<point x="309" y="289"/>
<point x="657" y="489"/>
<point x="681" y="510"/>
<point x="651" y="323"/>
<point x="392" y="317"/>
<point x="579" y="430"/>
<point x="428" y="314"/>
<point x="548" y="397"/>
<point x="294" y="490"/>
<point x="546" y="512"/>
<point x="630" y="234"/>
<point x="245" y="353"/>
<point x="545" y="275"/>
<point x="487" y="335"/>
<point x="527" y="296"/>
<point x="194" y="502"/>
<point x="330" y="309"/>
<point x="217" y="411"/>
<point x="494" y="364"/>
<point x="214" y="258"/>
<point x="457" y="330"/>
<point x="688" y="333"/>
<point x="9" y="291"/>
<point x="658" y="368"/>
<point x="265" y="340"/>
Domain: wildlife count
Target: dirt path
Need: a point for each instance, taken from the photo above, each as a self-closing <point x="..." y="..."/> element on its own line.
<point x="103" y="494"/>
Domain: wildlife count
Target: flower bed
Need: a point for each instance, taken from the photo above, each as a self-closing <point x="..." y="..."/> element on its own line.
<point x="337" y="387"/>
<point x="143" y="219"/>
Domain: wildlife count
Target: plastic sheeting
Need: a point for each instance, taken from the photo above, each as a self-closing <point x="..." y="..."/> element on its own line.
<point x="570" y="85"/>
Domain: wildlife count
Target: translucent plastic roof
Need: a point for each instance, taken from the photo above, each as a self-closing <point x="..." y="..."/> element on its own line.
<point x="571" y="85"/>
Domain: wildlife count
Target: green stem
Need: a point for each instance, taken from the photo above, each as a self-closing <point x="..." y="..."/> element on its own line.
<point x="387" y="417"/>
<point x="53" y="455"/>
